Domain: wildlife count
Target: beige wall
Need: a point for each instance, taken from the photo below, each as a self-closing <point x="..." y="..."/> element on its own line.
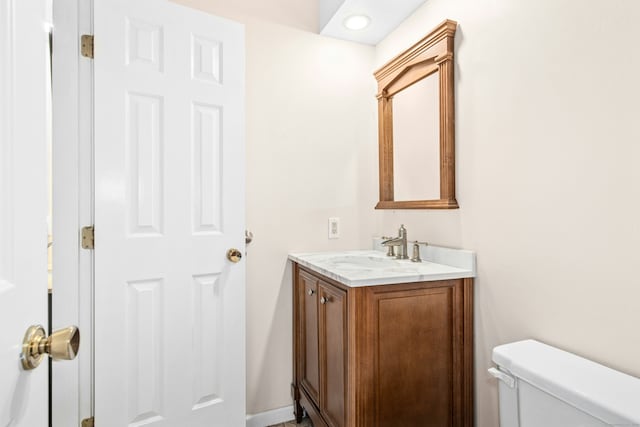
<point x="307" y="115"/>
<point x="548" y="175"/>
<point x="548" y="143"/>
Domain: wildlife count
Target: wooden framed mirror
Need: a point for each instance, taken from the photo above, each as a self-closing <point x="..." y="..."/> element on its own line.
<point x="417" y="146"/>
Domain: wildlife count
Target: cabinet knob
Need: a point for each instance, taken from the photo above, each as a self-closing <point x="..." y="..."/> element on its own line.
<point x="311" y="292"/>
<point x="324" y="300"/>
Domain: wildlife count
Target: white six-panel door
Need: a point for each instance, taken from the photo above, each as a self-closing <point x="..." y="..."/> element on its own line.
<point x="23" y="206"/>
<point x="169" y="203"/>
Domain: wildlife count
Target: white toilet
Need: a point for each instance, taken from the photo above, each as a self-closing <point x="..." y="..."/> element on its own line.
<point x="542" y="386"/>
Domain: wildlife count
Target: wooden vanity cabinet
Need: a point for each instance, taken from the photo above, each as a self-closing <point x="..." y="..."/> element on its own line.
<point x="382" y="356"/>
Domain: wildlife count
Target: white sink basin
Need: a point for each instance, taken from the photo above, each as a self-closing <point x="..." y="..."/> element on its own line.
<point x="365" y="268"/>
<point x="363" y="261"/>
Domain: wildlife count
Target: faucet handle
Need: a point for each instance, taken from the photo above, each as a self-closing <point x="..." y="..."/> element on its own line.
<point x="416" y="252"/>
<point x="391" y="251"/>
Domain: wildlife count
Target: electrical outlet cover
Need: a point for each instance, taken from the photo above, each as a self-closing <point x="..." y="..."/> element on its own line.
<point x="334" y="228"/>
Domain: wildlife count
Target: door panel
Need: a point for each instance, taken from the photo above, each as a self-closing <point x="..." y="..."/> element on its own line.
<point x="169" y="203"/>
<point x="23" y="206"/>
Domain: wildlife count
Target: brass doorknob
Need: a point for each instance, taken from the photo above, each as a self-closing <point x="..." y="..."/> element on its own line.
<point x="234" y="255"/>
<point x="63" y="344"/>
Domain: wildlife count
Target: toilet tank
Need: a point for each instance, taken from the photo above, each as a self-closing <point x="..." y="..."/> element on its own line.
<point x="542" y="386"/>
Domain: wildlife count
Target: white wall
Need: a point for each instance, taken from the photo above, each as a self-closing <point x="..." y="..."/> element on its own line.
<point x="548" y="148"/>
<point x="310" y="118"/>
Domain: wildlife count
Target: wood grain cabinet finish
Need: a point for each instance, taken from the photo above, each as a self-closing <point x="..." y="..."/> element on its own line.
<point x="310" y="366"/>
<point x="383" y="356"/>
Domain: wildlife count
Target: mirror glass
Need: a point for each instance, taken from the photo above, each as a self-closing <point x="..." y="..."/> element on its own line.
<point x="416" y="141"/>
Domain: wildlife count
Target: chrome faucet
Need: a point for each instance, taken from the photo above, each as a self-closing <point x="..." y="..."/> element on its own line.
<point x="400" y="242"/>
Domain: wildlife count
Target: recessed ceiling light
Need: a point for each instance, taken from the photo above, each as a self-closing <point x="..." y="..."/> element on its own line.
<point x="357" y="22"/>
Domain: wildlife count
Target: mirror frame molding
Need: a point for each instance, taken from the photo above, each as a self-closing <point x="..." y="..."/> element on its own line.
<point x="434" y="53"/>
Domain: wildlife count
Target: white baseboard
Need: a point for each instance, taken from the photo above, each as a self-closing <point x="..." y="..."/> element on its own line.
<point x="269" y="418"/>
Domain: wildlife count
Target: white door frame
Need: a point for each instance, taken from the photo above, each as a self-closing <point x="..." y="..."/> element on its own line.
<point x="72" y="390"/>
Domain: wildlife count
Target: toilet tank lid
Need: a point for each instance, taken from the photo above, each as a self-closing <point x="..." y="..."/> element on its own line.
<point x="611" y="396"/>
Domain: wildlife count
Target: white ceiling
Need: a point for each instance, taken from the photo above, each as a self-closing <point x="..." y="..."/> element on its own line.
<point x="385" y="16"/>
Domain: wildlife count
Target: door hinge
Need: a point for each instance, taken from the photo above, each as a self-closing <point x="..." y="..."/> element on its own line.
<point x="88" y="237"/>
<point x="86" y="45"/>
<point x="87" y="422"/>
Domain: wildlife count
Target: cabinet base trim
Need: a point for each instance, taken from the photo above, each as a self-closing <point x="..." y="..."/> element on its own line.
<point x="312" y="411"/>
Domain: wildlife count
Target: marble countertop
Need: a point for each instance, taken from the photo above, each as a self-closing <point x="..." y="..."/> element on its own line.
<point x="372" y="267"/>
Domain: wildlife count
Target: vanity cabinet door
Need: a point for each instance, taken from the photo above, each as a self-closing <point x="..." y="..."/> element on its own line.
<point x="309" y="351"/>
<point x="333" y="353"/>
<point x="417" y="338"/>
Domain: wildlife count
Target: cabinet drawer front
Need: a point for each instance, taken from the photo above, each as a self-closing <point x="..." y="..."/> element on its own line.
<point x="333" y="351"/>
<point x="308" y="297"/>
